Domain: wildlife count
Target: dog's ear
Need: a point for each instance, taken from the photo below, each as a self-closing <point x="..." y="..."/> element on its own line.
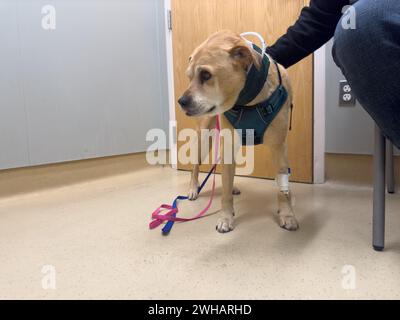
<point x="245" y="56"/>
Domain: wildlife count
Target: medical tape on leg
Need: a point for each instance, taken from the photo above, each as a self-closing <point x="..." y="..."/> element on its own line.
<point x="283" y="182"/>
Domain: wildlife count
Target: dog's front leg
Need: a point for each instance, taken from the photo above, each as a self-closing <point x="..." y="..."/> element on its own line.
<point x="203" y="150"/>
<point x="286" y="216"/>
<point x="226" y="221"/>
<point x="193" y="193"/>
<point x="194" y="181"/>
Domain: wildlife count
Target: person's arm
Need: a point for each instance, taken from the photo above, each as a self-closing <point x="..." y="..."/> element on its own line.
<point x="316" y="25"/>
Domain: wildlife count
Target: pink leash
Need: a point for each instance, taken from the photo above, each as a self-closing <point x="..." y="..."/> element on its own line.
<point x="172" y="210"/>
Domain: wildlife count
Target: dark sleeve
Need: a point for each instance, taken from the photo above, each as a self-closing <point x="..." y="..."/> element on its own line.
<point x="315" y="26"/>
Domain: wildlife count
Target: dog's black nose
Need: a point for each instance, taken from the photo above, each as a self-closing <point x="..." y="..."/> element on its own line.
<point x="185" y="101"/>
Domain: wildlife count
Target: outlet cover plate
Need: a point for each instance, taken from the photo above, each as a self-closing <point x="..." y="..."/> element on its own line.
<point x="346" y="95"/>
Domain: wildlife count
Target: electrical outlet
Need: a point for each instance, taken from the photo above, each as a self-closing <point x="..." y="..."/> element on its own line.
<point x="346" y="95"/>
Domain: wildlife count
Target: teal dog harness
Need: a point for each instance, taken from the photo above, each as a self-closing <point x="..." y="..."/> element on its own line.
<point x="253" y="121"/>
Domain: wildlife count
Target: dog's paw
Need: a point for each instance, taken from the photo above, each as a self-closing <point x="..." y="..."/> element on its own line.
<point x="225" y="225"/>
<point x="193" y="194"/>
<point x="288" y="223"/>
<point x="236" y="191"/>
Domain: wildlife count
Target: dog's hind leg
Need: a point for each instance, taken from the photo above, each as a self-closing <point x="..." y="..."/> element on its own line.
<point x="286" y="217"/>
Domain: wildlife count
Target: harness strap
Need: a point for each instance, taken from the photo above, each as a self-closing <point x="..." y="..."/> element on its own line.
<point x="253" y="121"/>
<point x="291" y="106"/>
<point x="279" y="73"/>
<point x="291" y="117"/>
<point x="255" y="80"/>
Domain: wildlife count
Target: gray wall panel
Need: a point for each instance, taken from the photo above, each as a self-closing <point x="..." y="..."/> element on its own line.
<point x="95" y="85"/>
<point x="13" y="130"/>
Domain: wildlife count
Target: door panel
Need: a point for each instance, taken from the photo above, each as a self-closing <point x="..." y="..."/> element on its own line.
<point x="194" y="21"/>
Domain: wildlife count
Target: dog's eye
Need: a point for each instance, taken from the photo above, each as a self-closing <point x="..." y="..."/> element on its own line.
<point x="205" y="76"/>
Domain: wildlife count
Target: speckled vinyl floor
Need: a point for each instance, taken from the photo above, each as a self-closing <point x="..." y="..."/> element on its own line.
<point x="81" y="232"/>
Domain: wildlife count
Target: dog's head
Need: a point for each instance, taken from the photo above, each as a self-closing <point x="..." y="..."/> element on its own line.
<point x="217" y="72"/>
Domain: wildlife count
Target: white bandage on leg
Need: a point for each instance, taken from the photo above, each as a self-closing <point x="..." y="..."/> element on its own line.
<point x="283" y="182"/>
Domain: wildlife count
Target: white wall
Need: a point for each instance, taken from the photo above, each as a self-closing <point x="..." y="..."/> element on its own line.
<point x="91" y="88"/>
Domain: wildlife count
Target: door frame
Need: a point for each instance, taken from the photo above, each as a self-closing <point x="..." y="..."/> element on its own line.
<point x="319" y="90"/>
<point x="173" y="142"/>
<point x="319" y="142"/>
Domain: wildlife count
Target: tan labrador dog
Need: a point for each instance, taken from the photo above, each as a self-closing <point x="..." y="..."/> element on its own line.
<point x="217" y="72"/>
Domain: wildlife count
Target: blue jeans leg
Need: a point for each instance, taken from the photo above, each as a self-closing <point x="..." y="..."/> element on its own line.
<point x="369" y="57"/>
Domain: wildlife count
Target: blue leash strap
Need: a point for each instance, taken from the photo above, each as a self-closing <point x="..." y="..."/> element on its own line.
<point x="168" y="227"/>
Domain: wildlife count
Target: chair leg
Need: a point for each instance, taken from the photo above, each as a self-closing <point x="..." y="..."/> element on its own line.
<point x="390" y="168"/>
<point x="379" y="191"/>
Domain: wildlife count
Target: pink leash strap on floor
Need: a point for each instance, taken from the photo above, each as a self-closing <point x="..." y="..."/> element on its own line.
<point x="170" y="216"/>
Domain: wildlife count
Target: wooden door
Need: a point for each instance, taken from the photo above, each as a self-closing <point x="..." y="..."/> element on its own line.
<point x="195" y="20"/>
